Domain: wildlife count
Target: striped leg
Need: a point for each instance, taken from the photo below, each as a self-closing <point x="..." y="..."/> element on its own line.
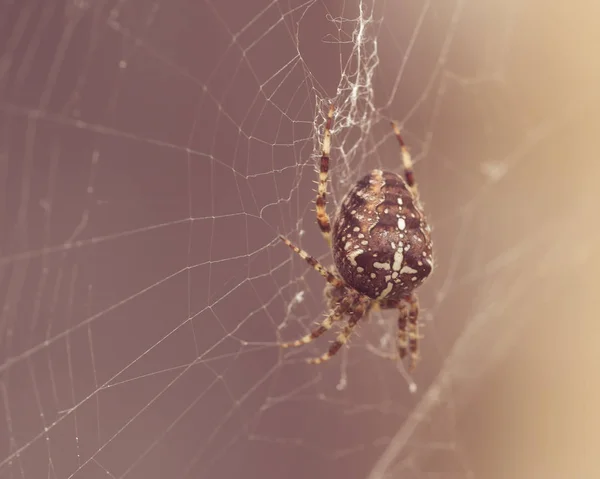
<point x="402" y="341"/>
<point x="408" y="329"/>
<point x="413" y="332"/>
<point x="409" y="174"/>
<point x="359" y="312"/>
<point x="330" y="277"/>
<point x="335" y="315"/>
<point x="322" y="216"/>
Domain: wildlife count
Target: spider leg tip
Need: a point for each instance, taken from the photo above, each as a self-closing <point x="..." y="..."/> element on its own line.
<point x="284" y="239"/>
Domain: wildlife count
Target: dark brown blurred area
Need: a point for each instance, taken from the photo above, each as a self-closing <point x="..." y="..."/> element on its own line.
<point x="150" y="154"/>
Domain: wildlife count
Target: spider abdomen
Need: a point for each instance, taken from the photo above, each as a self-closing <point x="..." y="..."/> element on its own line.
<point x="381" y="239"/>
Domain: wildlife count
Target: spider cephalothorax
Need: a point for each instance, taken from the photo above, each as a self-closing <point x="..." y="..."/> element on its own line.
<point x="382" y="250"/>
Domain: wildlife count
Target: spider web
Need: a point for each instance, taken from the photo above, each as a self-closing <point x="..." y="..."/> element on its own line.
<point x="150" y="154"/>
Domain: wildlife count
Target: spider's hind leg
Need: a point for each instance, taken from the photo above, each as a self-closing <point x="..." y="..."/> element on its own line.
<point x="409" y="174"/>
<point x="322" y="217"/>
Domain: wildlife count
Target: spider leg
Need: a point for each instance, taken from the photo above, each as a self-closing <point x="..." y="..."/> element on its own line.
<point x="402" y="341"/>
<point x="408" y="331"/>
<point x="322" y="216"/>
<point x="335" y="315"/>
<point x="413" y="333"/>
<point x="409" y="174"/>
<point x="359" y="312"/>
<point x="329" y="276"/>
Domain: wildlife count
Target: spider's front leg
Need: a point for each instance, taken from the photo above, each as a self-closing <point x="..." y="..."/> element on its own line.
<point x="360" y="307"/>
<point x="408" y="330"/>
<point x="336" y="314"/>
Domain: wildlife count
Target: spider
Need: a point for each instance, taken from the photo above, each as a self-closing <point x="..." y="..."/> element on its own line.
<point x="382" y="251"/>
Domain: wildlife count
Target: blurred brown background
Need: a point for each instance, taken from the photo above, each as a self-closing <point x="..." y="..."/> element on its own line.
<point x="150" y="153"/>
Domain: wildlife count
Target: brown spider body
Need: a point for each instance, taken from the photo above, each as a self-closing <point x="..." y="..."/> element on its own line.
<point x="381" y="241"/>
<point x="382" y="250"/>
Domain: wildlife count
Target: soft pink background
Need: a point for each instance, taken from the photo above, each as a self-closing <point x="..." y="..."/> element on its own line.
<point x="150" y="153"/>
